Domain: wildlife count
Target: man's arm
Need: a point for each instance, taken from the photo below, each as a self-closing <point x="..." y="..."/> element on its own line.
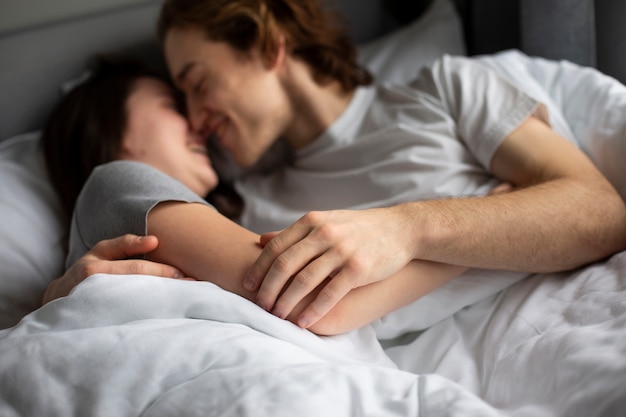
<point x="562" y="214"/>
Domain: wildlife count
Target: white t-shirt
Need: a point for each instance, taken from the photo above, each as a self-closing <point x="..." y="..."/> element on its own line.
<point x="434" y="138"/>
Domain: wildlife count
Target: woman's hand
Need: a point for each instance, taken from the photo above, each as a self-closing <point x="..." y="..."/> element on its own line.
<point x="112" y="257"/>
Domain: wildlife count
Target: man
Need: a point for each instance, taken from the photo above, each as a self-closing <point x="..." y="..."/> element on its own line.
<point x="415" y="161"/>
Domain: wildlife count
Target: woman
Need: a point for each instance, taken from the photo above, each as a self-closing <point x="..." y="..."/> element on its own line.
<point x="145" y="171"/>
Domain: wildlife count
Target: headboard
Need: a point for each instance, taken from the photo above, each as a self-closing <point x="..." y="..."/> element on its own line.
<point x="41" y="51"/>
<point x="39" y="57"/>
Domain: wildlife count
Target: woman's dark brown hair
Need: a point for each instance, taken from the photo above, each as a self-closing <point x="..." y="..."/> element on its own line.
<point x="314" y="33"/>
<point x="86" y="128"/>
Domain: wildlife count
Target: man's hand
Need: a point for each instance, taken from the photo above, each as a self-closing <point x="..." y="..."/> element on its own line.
<point x="355" y="248"/>
<point x="112" y="257"/>
<point x="335" y="244"/>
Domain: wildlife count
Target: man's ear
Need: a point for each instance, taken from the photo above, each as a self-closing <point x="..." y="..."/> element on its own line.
<point x="277" y="59"/>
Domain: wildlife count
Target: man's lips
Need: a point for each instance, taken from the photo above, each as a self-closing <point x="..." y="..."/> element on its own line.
<point x="216" y="129"/>
<point x="217" y="134"/>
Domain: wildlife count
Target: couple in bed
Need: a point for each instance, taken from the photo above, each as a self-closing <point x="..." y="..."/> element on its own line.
<point x="400" y="177"/>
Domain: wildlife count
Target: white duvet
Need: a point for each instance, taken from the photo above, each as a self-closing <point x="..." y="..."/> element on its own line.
<point x="550" y="345"/>
<point x="136" y="345"/>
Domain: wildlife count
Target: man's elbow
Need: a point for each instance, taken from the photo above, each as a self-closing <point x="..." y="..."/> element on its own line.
<point x="610" y="234"/>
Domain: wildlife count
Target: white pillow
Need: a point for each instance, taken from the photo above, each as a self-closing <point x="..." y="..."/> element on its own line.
<point x="31" y="232"/>
<point x="398" y="56"/>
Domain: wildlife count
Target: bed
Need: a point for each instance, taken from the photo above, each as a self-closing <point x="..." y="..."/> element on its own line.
<point x="547" y="345"/>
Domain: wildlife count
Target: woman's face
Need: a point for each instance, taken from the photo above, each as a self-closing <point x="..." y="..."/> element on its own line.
<point x="159" y="135"/>
<point x="237" y="98"/>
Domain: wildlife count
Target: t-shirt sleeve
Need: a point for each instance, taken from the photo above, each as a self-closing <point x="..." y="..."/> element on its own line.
<point x="485" y="107"/>
<point x="116" y="200"/>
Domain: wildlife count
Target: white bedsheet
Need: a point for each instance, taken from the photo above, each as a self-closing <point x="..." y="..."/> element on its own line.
<point x="551" y="345"/>
<point x="554" y="342"/>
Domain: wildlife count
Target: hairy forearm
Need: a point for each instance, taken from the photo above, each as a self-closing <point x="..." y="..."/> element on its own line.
<point x="556" y="225"/>
<point x="563" y="214"/>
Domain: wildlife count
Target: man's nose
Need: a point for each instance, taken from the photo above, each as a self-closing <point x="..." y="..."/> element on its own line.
<point x="197" y="116"/>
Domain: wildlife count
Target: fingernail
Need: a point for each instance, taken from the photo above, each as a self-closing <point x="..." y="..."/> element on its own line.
<point x="304" y="322"/>
<point x="248" y="283"/>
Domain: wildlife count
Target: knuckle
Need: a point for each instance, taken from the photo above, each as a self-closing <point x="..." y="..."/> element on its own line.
<point x="265" y="298"/>
<point x="305" y="279"/>
<point x="273" y="247"/>
<point x="99" y="246"/>
<point x="127" y="237"/>
<point x="282" y="265"/>
<point x="282" y="307"/>
<point x="352" y="279"/>
<point x="127" y="241"/>
<point x="355" y="267"/>
<point x="327" y="232"/>
<point x="165" y="271"/>
<point x="324" y="299"/>
<point x="87" y="269"/>
<point x="139" y="268"/>
<point x="342" y="249"/>
<point x="312" y="217"/>
<point x="323" y="303"/>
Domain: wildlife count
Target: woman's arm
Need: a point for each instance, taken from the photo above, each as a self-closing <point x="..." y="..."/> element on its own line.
<point x="365" y="304"/>
<point x="207" y="246"/>
<point x="203" y="244"/>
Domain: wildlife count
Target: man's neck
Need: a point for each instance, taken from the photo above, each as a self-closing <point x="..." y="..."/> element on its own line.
<point x="315" y="107"/>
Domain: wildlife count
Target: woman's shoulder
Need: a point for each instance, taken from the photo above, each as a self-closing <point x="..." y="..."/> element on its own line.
<point x="136" y="177"/>
<point x="119" y="181"/>
<point x="116" y="200"/>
